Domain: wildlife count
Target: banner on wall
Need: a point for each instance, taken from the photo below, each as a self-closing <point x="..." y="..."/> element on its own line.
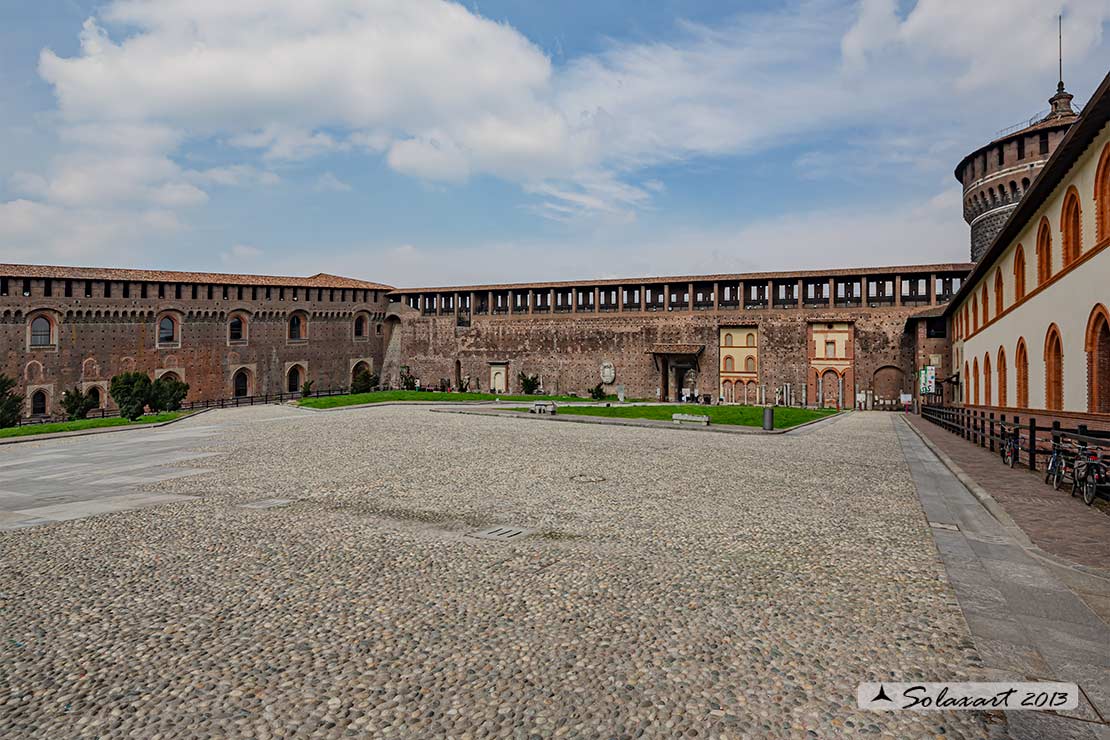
<point x="927" y="377"/>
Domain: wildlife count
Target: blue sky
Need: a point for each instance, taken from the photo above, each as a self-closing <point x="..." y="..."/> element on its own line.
<point x="425" y="142"/>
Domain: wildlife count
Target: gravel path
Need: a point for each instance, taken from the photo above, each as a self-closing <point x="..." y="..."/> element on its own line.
<point x="710" y="585"/>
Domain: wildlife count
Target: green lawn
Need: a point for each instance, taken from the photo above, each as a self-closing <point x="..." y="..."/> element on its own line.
<point x="747" y="416"/>
<point x="331" y="402"/>
<point x="74" y="426"/>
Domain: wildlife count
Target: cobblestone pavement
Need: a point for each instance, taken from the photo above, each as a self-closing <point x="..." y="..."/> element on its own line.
<point x="709" y="585"/>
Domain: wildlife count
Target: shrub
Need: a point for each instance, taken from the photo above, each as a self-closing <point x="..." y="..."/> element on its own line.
<point x="598" y="392"/>
<point x="131" y="392"/>
<point x="306" y="389"/>
<point x="10" y="403"/>
<point x="77" y="404"/>
<point x="364" y="382"/>
<point x="166" y="394"/>
<point x="408" y="382"/>
<point x="530" y="384"/>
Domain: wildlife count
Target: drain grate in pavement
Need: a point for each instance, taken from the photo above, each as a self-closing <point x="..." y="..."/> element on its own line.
<point x="583" y="478"/>
<point x="502" y="533"/>
<point x="267" y="503"/>
<point x="942" y="525"/>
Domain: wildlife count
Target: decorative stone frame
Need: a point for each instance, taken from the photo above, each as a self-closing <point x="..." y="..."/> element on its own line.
<point x="302" y="364"/>
<point x="244" y="316"/>
<point x="1098" y="395"/>
<point x="55" y="330"/>
<point x="252" y="379"/>
<point x="31" y="390"/>
<point x="101" y="385"/>
<point x="178" y="371"/>
<point x="305" y="327"/>
<point x="365" y="316"/>
<point x="179" y="328"/>
<point x="1051" y="378"/>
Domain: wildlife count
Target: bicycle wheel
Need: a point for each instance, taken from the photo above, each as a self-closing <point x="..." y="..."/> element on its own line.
<point x="1090" y="490"/>
<point x="1013" y="455"/>
<point x="1058" y="478"/>
<point x="1075" y="484"/>
<point x="1050" y="471"/>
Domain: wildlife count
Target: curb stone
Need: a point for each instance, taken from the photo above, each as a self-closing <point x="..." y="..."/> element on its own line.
<point x="99" y="430"/>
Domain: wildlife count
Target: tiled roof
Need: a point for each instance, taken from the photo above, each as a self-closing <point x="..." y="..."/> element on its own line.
<point x="963" y="267"/>
<point x="319" y="280"/>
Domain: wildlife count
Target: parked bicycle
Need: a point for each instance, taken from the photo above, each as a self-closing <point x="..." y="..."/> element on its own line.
<point x="1090" y="473"/>
<point x="1061" y="464"/>
<point x="1009" y="447"/>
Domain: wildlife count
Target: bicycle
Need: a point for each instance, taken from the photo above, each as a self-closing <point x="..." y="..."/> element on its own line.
<point x="1008" y="447"/>
<point x="1057" y="465"/>
<point x="1090" y="473"/>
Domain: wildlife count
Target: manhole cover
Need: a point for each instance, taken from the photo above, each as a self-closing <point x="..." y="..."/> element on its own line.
<point x="942" y="525"/>
<point x="583" y="478"/>
<point x="502" y="534"/>
<point x="267" y="503"/>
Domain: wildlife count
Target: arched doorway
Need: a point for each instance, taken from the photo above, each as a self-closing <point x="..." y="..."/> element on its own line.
<point x="294" y="379"/>
<point x="241" y="384"/>
<point x="359" y="368"/>
<point x="169" y="376"/>
<point x="1098" y="361"/>
<point x="830" y="389"/>
<point x="38" y="403"/>
<point x="726" y="391"/>
<point x="751" y="394"/>
<point x="94" y="396"/>
<point x="888" y="383"/>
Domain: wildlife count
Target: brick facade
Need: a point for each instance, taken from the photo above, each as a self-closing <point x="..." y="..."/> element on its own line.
<point x="116" y="329"/>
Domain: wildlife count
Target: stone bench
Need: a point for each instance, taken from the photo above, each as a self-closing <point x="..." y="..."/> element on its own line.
<point x="542" y="407"/>
<point x="690" y="419"/>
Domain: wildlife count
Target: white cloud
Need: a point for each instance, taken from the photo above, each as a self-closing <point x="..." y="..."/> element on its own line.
<point x="329" y="183"/>
<point x="445" y="95"/>
<point x="240" y="254"/>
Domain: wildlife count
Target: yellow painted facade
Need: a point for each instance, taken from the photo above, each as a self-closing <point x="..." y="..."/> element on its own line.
<point x="739" y="364"/>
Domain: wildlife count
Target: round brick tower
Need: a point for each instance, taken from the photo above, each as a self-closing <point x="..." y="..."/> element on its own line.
<point x="996" y="176"/>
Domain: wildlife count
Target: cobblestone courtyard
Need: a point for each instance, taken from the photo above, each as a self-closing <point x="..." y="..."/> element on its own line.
<point x="707" y="584"/>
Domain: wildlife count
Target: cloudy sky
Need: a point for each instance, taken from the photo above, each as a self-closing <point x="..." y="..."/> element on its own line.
<point x="429" y="142"/>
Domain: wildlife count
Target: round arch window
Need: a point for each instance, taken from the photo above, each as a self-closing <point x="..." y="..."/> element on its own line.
<point x="38" y="403"/>
<point x="167" y="330"/>
<point x="296" y="327"/>
<point x="236" y="329"/>
<point x="42" y="332"/>
<point x="360" y="326"/>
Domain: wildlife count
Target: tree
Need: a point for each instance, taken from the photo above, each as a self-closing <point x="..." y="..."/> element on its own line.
<point x="598" y="392"/>
<point x="10" y="403"/>
<point x="166" y="394"/>
<point x="530" y="384"/>
<point x="77" y="404"/>
<point x="131" y="392"/>
<point x="364" y="382"/>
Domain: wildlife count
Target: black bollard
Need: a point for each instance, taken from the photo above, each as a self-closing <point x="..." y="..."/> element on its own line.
<point x="768" y="418"/>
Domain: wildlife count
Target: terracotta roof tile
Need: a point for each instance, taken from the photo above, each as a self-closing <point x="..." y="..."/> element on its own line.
<point x="319" y="280"/>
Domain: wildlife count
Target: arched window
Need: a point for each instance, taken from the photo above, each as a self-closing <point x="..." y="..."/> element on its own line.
<point x="1102" y="195"/>
<point x="1021" y="370"/>
<point x="986" y="304"/>
<point x="751" y="340"/>
<point x="974" y="313"/>
<point x="1071" y="230"/>
<point x="998" y="294"/>
<point x="241" y="384"/>
<point x="1098" y="361"/>
<point x="360" y="326"/>
<point x="294" y="380"/>
<point x="988" y="397"/>
<point x="42" y="332"/>
<point x="236" y="329"/>
<point x="1053" y="370"/>
<point x="967" y="320"/>
<point x="167" y="330"/>
<point x="296" y="327"/>
<point x="1019" y="273"/>
<point x="975" y="381"/>
<point x="38" y="403"/>
<point x="728" y="340"/>
<point x="749" y="364"/>
<point x="1002" y="394"/>
<point x="1044" y="252"/>
<point x="729" y="365"/>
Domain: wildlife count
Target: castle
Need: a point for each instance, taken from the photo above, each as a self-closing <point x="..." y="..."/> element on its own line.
<point x="842" y="337"/>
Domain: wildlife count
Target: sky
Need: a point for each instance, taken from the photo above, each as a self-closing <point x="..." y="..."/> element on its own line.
<point x="423" y="142"/>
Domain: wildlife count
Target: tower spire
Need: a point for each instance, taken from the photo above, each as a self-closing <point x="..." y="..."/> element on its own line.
<point x="1061" y="101"/>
